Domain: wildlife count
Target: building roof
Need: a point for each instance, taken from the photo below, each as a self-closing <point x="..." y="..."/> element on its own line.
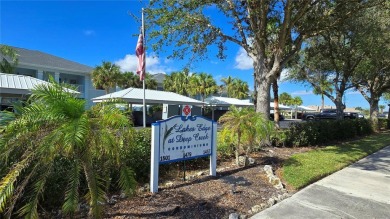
<point x="226" y="101"/>
<point x="281" y="106"/>
<point x="19" y="84"/>
<point x="135" y="95"/>
<point x="44" y="60"/>
<point x="159" y="77"/>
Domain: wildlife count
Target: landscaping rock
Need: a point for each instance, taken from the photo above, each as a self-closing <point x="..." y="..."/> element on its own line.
<point x="251" y="161"/>
<point x="255" y="209"/>
<point x="234" y="216"/>
<point x="271" y="202"/>
<point x="243" y="160"/>
<point x="200" y="173"/>
<point x="169" y="184"/>
<point x="268" y="170"/>
<point x="243" y="216"/>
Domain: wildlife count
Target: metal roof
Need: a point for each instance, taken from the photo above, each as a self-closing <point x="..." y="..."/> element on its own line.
<point x="135" y="95"/>
<point x="44" y="60"/>
<point x="19" y="84"/>
<point x="226" y="101"/>
<point x="281" y="107"/>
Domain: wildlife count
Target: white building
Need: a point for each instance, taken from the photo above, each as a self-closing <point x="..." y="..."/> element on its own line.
<point x="41" y="65"/>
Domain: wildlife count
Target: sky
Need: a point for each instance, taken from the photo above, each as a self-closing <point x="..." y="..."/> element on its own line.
<point x="91" y="31"/>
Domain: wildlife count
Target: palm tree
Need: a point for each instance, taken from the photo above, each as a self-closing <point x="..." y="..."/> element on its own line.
<point x="5" y="65"/>
<point x="324" y="86"/>
<point x="56" y="126"/>
<point x="227" y="84"/>
<point x="177" y="82"/>
<point x="202" y="84"/>
<point x="106" y="76"/>
<point x="296" y="101"/>
<point x="129" y="79"/>
<point x="239" y="89"/>
<point x="240" y="122"/>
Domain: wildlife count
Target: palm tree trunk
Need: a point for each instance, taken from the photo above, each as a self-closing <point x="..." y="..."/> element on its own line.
<point x="95" y="210"/>
<point x="237" y="152"/>
<point x="322" y="101"/>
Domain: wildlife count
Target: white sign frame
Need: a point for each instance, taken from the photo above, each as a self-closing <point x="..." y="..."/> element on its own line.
<point x="174" y="130"/>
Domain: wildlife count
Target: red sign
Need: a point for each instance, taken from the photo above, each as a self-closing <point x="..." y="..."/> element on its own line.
<point x="186" y="110"/>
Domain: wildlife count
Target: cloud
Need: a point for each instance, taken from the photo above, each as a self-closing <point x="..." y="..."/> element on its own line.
<point x="153" y="64"/>
<point x="301" y="93"/>
<point x="243" y="61"/>
<point x="89" y="32"/>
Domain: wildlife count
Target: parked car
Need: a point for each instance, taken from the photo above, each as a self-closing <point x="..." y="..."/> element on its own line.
<point x="271" y="117"/>
<point x="328" y="114"/>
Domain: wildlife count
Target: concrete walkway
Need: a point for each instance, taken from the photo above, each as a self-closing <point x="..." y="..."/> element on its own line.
<point x="361" y="190"/>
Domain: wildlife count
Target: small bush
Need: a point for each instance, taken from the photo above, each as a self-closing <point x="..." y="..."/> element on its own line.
<point x="136" y="152"/>
<point x="383" y="123"/>
<point x="225" y="143"/>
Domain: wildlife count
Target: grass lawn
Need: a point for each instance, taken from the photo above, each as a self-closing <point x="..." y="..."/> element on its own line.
<point x="303" y="169"/>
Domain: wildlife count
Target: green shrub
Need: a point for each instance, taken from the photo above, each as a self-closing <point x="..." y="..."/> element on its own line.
<point x="324" y="131"/>
<point x="136" y="152"/>
<point x="225" y="143"/>
<point x="383" y="123"/>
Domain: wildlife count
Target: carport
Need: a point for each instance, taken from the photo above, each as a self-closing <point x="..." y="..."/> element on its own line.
<point x="213" y="102"/>
<point x="135" y="96"/>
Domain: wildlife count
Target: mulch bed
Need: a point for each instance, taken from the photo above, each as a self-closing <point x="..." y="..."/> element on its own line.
<point x="233" y="190"/>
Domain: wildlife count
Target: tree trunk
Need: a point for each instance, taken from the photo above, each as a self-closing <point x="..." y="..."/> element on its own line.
<point x="338" y="101"/>
<point x="275" y="89"/>
<point x="322" y="101"/>
<point x="374" y="102"/>
<point x="237" y="152"/>
<point x="95" y="210"/>
<point x="263" y="84"/>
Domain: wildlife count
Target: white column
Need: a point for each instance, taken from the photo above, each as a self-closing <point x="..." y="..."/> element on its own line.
<point x="213" y="157"/>
<point x="57" y="77"/>
<point x="40" y="74"/>
<point x="154" y="161"/>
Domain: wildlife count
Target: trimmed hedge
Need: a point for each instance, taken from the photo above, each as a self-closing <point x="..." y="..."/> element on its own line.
<point x="324" y="131"/>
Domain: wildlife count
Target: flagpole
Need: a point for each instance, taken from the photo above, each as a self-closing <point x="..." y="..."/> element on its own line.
<point x="144" y="69"/>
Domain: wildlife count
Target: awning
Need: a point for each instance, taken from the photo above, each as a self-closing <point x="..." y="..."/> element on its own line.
<point x="226" y="101"/>
<point x="20" y="84"/>
<point x="135" y="95"/>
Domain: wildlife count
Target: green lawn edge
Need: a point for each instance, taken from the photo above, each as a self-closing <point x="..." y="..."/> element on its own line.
<point x="303" y="169"/>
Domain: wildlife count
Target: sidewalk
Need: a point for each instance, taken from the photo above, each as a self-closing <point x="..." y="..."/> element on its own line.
<point x="361" y="190"/>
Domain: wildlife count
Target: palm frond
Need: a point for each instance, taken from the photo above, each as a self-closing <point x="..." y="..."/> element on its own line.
<point x="30" y="209"/>
<point x="72" y="195"/>
<point x="127" y="180"/>
<point x="7" y="183"/>
<point x="19" y="192"/>
<point x="96" y="195"/>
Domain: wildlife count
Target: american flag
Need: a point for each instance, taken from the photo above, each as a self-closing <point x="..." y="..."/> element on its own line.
<point x="140" y="52"/>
